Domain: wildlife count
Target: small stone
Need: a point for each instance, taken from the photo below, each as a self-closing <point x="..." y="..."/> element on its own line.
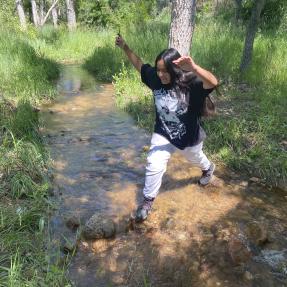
<point x="248" y="276"/>
<point x="254" y="179"/>
<point x="85" y="244"/>
<point x="170" y="223"/>
<point x="181" y="236"/>
<point x="195" y="266"/>
<point x="239" y="250"/>
<point x="243" y="183"/>
<point x="282" y="185"/>
<point x="145" y="148"/>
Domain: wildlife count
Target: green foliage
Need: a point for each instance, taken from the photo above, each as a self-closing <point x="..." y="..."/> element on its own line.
<point x="24" y="204"/>
<point x="60" y="45"/>
<point x="273" y="15"/>
<point x="134" y="12"/>
<point x="115" y="13"/>
<point x="7" y="16"/>
<point x="104" y="62"/>
<point x="26" y="78"/>
<point x="132" y="96"/>
<point x="94" y="13"/>
<point x="23" y="158"/>
<point x="23" y="72"/>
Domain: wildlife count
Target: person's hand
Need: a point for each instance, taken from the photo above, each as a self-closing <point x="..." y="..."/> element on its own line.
<point x="185" y="63"/>
<point x="120" y="42"/>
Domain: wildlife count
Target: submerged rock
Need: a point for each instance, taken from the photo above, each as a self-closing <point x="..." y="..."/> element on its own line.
<point x="72" y="221"/>
<point x="239" y="249"/>
<point x="99" y="226"/>
<point x="256" y="232"/>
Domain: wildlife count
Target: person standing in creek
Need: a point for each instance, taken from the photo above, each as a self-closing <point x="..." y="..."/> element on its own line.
<point x="181" y="91"/>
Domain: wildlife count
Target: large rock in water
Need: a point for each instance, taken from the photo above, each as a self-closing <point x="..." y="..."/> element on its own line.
<point x="99" y="226"/>
<point x="239" y="249"/>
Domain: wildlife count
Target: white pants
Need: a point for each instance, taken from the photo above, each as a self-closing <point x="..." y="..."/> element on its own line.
<point x="159" y="154"/>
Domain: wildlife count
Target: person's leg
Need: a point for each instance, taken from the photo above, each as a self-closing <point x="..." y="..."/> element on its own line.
<point x="197" y="158"/>
<point x="158" y="156"/>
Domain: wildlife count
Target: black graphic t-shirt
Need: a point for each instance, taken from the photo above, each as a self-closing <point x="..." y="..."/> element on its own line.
<point x="176" y="120"/>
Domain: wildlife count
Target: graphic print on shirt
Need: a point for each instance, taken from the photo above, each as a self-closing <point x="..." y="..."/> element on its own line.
<point x="169" y="107"/>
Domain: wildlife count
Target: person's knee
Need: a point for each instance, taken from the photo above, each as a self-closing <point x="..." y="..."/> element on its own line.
<point x="155" y="164"/>
<point x="195" y="154"/>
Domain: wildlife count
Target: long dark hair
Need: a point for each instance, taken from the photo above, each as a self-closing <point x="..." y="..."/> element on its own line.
<point x="179" y="78"/>
<point x="182" y="80"/>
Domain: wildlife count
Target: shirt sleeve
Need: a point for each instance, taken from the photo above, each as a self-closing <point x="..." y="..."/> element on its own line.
<point x="198" y="86"/>
<point x="147" y="74"/>
<point x="198" y="95"/>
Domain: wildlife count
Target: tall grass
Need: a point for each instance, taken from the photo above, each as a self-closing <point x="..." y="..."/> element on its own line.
<point x="24" y="204"/>
<point x="26" y="79"/>
<point x="24" y="74"/>
<point x="68" y="47"/>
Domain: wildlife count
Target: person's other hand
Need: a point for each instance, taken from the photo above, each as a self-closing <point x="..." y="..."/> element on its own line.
<point x="120" y="42"/>
<point x="185" y="63"/>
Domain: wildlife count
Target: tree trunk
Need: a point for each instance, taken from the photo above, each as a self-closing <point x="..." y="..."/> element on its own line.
<point x="182" y="25"/>
<point x="250" y="34"/>
<point x="238" y="9"/>
<point x="55" y="16"/>
<point x="21" y="13"/>
<point x="42" y="11"/>
<point x="35" y="13"/>
<point x="71" y="15"/>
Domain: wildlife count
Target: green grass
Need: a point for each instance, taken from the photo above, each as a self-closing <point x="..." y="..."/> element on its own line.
<point x="24" y="205"/>
<point x="24" y="73"/>
<point x="68" y="47"/>
<point x="26" y="79"/>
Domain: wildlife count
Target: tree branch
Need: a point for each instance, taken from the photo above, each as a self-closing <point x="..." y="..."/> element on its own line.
<point x="49" y="11"/>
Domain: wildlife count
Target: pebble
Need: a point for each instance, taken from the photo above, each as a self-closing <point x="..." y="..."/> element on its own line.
<point x="248" y="276"/>
<point x="254" y="179"/>
<point x="243" y="183"/>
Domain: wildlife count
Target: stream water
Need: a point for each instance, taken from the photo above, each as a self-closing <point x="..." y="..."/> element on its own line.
<point x="99" y="165"/>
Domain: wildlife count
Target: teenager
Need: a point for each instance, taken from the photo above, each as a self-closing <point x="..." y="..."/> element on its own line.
<point x="180" y="90"/>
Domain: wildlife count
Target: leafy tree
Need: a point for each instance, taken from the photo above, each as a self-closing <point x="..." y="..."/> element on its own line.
<point x="94" y="13"/>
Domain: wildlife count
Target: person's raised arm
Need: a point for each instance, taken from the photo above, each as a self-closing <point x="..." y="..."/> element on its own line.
<point x="133" y="58"/>
<point x="186" y="63"/>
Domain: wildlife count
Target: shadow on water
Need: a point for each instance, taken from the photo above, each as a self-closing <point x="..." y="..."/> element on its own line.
<point x="99" y="167"/>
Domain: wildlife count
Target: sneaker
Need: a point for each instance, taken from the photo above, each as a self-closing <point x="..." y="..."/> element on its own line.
<point x="143" y="210"/>
<point x="207" y="175"/>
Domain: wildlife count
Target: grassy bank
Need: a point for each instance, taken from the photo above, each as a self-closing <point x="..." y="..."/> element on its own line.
<point x="62" y="46"/>
<point x="26" y="80"/>
<point x="248" y="133"/>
